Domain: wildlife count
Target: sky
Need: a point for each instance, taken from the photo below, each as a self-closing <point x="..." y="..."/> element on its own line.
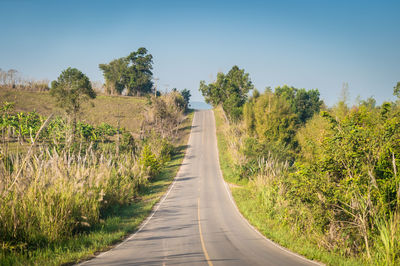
<point x="312" y="44"/>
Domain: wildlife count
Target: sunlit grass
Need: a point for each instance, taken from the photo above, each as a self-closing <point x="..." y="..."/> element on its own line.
<point x="127" y="111"/>
<point x="117" y="222"/>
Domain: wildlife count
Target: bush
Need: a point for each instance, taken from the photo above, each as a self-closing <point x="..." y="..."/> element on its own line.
<point x="149" y="162"/>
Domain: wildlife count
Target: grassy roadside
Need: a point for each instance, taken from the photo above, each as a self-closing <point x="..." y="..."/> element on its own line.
<point x="225" y="158"/>
<point x="118" y="224"/>
<point x="251" y="206"/>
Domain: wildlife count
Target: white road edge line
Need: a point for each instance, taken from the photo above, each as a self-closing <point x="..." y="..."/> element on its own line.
<point x="155" y="208"/>
<point x="247" y="222"/>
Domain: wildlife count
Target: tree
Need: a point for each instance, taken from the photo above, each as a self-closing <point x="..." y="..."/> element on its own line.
<point x="139" y="75"/>
<point x="275" y="120"/>
<point x="230" y="90"/>
<point x="186" y="97"/>
<point x="396" y="91"/>
<point x="304" y="103"/>
<point x="132" y="73"/>
<point x="70" y="89"/>
<point x="213" y="92"/>
<point x="114" y="74"/>
<point x="11" y="76"/>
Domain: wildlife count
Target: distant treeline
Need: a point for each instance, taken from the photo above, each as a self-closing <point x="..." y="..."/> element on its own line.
<point x="13" y="79"/>
<point x="130" y="75"/>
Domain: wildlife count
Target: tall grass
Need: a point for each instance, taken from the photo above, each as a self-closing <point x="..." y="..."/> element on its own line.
<point x="388" y="241"/>
<point x="61" y="193"/>
<point x="56" y="196"/>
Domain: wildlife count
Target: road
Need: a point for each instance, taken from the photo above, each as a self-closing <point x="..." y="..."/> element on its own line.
<point x="196" y="222"/>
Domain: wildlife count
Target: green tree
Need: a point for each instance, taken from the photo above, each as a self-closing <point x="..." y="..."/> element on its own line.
<point x="186" y="97"/>
<point x="139" y="75"/>
<point x="230" y="90"/>
<point x="71" y="89"/>
<point x="275" y="121"/>
<point x="213" y="92"/>
<point x="114" y="74"/>
<point x="304" y="103"/>
<point x="396" y="91"/>
<point x="132" y="72"/>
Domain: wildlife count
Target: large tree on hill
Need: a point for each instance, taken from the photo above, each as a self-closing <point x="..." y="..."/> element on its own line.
<point x="70" y="89"/>
<point x="139" y="75"/>
<point x="132" y="73"/>
<point x="114" y="75"/>
<point x="230" y="90"/>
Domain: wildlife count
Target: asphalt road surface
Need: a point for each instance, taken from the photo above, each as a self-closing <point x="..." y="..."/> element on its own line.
<point x="196" y="222"/>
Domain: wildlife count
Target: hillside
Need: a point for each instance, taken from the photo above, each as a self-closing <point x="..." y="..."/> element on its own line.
<point x="128" y="109"/>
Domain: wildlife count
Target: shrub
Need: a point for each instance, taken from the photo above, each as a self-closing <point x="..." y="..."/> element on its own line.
<point x="149" y="162"/>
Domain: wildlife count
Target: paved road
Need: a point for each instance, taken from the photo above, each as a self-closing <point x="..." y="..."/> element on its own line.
<point x="196" y="223"/>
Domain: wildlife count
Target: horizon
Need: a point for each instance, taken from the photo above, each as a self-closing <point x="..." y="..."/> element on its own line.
<point x="312" y="44"/>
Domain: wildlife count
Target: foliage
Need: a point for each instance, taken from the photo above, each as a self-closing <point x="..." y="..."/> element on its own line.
<point x="71" y="88"/>
<point x="230" y="90"/>
<point x="132" y="73"/>
<point x="139" y="72"/>
<point x="114" y="75"/>
<point x="396" y="90"/>
<point x="333" y="177"/>
<point x="149" y="161"/>
<point x="24" y="126"/>
<point x="274" y="118"/>
<point x="165" y="114"/>
<point x="186" y="97"/>
<point x="356" y="162"/>
<point x="303" y="103"/>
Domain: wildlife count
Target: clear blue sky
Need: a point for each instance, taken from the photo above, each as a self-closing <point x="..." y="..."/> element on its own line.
<point x="306" y="44"/>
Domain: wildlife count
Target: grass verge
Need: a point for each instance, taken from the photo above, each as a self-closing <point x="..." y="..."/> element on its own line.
<point x="250" y="205"/>
<point x="119" y="223"/>
<point x="225" y="158"/>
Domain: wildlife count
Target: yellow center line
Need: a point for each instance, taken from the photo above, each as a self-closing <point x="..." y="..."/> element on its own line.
<point x="201" y="235"/>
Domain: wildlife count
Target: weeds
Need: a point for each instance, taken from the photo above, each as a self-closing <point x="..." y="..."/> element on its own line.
<point x="54" y="191"/>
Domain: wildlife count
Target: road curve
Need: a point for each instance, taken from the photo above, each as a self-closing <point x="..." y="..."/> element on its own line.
<point x="196" y="223"/>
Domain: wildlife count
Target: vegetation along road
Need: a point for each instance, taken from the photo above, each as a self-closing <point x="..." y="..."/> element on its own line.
<point x="196" y="222"/>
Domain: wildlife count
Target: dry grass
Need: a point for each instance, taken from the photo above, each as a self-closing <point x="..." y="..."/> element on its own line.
<point x="59" y="193"/>
<point x="109" y="109"/>
<point x="56" y="200"/>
